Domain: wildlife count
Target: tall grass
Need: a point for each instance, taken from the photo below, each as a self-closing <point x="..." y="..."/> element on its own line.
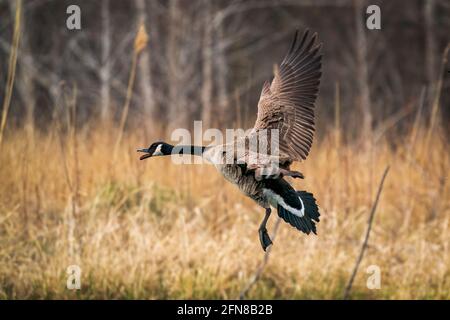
<point x="153" y="229"/>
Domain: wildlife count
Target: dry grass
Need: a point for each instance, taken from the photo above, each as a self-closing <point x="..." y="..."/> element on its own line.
<point x="157" y="230"/>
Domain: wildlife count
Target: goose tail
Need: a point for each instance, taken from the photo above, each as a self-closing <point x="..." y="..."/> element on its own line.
<point x="309" y="213"/>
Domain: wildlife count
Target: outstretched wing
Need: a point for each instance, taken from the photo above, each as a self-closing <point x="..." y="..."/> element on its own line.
<point x="287" y="104"/>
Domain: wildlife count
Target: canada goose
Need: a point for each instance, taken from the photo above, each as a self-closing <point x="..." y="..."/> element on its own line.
<point x="286" y="104"/>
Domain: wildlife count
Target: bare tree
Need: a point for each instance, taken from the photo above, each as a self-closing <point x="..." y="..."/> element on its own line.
<point x="207" y="65"/>
<point x="172" y="50"/>
<point x="362" y="69"/>
<point x="430" y="43"/>
<point x="105" y="67"/>
<point x="221" y="74"/>
<point x="25" y="83"/>
<point x="184" y="61"/>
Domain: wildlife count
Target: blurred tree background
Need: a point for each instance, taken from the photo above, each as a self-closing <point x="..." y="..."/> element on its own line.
<point x="208" y="59"/>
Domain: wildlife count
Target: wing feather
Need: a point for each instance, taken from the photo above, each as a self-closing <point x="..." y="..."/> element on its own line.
<point x="287" y="103"/>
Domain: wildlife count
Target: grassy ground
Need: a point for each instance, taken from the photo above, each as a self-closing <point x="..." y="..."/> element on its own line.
<point x="153" y="229"/>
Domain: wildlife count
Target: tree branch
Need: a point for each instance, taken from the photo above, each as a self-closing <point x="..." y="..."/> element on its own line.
<point x="366" y="240"/>
<point x="262" y="264"/>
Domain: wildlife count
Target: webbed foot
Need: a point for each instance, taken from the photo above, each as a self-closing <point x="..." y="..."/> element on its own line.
<point x="264" y="238"/>
<point x="263" y="235"/>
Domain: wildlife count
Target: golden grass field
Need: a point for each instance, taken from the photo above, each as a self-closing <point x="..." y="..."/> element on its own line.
<point x="154" y="230"/>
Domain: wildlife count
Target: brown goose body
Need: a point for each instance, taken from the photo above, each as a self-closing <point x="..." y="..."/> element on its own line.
<point x="246" y="182"/>
<point x="237" y="169"/>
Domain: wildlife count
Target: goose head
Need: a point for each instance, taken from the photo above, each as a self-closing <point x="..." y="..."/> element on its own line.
<point x="156" y="149"/>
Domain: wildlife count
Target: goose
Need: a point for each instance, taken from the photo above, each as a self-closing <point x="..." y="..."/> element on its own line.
<point x="286" y="105"/>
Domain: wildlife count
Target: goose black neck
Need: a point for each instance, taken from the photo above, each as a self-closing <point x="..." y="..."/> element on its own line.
<point x="188" y="149"/>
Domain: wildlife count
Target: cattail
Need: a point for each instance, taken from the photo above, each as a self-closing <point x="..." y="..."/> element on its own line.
<point x="141" y="40"/>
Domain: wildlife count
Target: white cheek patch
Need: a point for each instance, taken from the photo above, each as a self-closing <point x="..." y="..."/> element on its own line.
<point x="158" y="151"/>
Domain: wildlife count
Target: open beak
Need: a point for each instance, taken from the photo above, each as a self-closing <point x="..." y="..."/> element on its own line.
<point x="146" y="155"/>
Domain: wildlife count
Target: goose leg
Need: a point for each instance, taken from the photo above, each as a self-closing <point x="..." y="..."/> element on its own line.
<point x="293" y="174"/>
<point x="263" y="235"/>
<point x="264" y="172"/>
<point x="267" y="173"/>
